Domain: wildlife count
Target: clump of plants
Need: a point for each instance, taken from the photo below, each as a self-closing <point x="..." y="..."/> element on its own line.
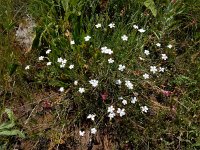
<point x="116" y="68"/>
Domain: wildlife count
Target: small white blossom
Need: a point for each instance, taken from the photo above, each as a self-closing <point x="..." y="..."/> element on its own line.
<point x="124" y="38"/>
<point x="98" y="25"/>
<point x="141" y="30"/>
<point x="144" y="109"/>
<point x="169" y="46"/>
<point x="81" y="133"/>
<point x="48" y="51"/>
<point x="158" y="44"/>
<point x="135" y="27"/>
<point x="110" y="61"/>
<point x="94" y="82"/>
<point x="91" y="116"/>
<point x="164" y="57"/>
<point x="153" y="69"/>
<point x="71" y="66"/>
<point x="121" y="112"/>
<point x="141" y="58"/>
<point x="111" y="109"/>
<point x="49" y="63"/>
<point x="118" y="82"/>
<point x="145" y="76"/>
<point x="62" y="65"/>
<point x="146" y="52"/>
<point x="41" y="58"/>
<point x="133" y="100"/>
<point x="111" y="25"/>
<point x="93" y="131"/>
<point x="27" y="67"/>
<point x="60" y="60"/>
<point x="81" y="90"/>
<point x="61" y="89"/>
<point x="124" y="102"/>
<point x="129" y="85"/>
<point x="111" y="115"/>
<point x="161" y="69"/>
<point x="121" y="67"/>
<point x="76" y="82"/>
<point x="64" y="61"/>
<point x="72" y="42"/>
<point x="87" y="38"/>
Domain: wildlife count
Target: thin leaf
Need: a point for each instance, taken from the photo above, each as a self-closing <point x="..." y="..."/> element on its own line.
<point x="7" y="125"/>
<point x="151" y="5"/>
<point x="12" y="133"/>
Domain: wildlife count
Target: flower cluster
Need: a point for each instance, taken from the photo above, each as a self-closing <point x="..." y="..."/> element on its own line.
<point x="62" y="62"/>
<point x="123" y="79"/>
<point x="106" y="50"/>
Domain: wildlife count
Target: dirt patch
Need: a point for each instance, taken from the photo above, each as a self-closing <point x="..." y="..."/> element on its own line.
<point x="45" y="130"/>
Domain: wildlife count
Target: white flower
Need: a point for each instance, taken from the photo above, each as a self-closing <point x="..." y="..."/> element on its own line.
<point x="164" y="57"/>
<point x="121" y="112"/>
<point x="161" y="69"/>
<point x="124" y="102"/>
<point x="87" y="38"/>
<point x="60" y="60"/>
<point x="111" y="115"/>
<point x="106" y="50"/>
<point x="76" y="82"/>
<point x="49" y="63"/>
<point x="91" y="116"/>
<point x="71" y="66"/>
<point x="27" y="67"/>
<point x="145" y="76"/>
<point x="141" y="58"/>
<point x="129" y="85"/>
<point x="98" y="25"/>
<point x="62" y="65"/>
<point x="81" y="133"/>
<point x="153" y="69"/>
<point x="135" y="27"/>
<point x="124" y="38"/>
<point x="121" y="67"/>
<point x="41" y="58"/>
<point x="93" y="131"/>
<point x="81" y="90"/>
<point x="118" y="82"/>
<point x="169" y="46"/>
<point x="144" y="109"/>
<point x="111" y="109"/>
<point x="146" y="52"/>
<point x="94" y="82"/>
<point x="158" y="44"/>
<point x="61" y="89"/>
<point x="133" y="100"/>
<point x="64" y="61"/>
<point x="48" y="51"/>
<point x="111" y="25"/>
<point x="141" y="30"/>
<point x="110" y="61"/>
<point x="72" y="42"/>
